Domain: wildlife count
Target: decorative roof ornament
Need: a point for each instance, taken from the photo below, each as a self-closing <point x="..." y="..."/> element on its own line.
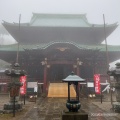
<point x="62" y="49"/>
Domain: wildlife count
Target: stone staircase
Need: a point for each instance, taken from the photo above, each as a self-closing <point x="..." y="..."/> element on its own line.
<point x="60" y="90"/>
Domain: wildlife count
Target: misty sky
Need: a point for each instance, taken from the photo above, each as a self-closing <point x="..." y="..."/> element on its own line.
<point x="10" y="10"/>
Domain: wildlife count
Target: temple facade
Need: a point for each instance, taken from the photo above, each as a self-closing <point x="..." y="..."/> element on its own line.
<point x="50" y="46"/>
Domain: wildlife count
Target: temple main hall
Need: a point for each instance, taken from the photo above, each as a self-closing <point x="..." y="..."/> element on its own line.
<point x="53" y="45"/>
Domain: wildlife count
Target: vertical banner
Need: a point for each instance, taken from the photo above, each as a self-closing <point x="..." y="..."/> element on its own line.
<point x="23" y="87"/>
<point x="97" y="83"/>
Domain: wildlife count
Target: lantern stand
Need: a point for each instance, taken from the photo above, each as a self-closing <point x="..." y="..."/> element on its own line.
<point x="116" y="74"/>
<point x="73" y="105"/>
<point x="14" y="87"/>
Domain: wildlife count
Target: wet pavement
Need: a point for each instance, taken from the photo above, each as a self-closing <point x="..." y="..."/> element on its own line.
<point x="52" y="108"/>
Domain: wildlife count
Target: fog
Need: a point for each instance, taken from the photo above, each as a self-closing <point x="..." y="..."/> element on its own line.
<point x="94" y="9"/>
<point x="10" y="10"/>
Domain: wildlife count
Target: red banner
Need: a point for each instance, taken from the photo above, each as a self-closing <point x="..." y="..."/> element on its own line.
<point x="23" y="87"/>
<point x="97" y="83"/>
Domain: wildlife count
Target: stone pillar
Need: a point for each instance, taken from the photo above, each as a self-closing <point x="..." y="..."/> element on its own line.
<point x="117" y="89"/>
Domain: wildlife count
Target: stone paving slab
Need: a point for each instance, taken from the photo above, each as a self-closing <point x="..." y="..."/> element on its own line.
<point x="51" y="109"/>
<point x="3" y="100"/>
<point x="107" y="107"/>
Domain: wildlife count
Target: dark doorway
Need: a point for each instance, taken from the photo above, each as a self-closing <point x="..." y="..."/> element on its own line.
<point x="59" y="71"/>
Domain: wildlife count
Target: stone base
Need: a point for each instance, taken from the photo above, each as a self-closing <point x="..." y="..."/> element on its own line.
<point x="116" y="107"/>
<point x="81" y="115"/>
<point x="8" y="108"/>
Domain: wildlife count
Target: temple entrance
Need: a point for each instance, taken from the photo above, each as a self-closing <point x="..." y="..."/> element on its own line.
<point x="58" y="72"/>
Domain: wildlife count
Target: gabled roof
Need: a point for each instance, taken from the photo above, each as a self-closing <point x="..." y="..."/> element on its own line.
<point x="44" y="28"/>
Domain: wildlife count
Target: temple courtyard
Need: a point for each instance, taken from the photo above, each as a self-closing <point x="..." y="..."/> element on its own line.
<point x="48" y="108"/>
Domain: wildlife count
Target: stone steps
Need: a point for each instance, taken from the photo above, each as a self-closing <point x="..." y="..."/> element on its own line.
<point x="60" y="90"/>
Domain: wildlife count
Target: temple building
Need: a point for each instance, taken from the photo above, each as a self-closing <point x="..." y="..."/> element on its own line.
<point x="52" y="45"/>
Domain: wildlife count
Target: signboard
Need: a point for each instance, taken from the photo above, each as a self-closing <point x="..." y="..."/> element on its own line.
<point x="23" y="87"/>
<point x="97" y="83"/>
<point x="3" y="83"/>
<point x="31" y="84"/>
<point x="90" y="84"/>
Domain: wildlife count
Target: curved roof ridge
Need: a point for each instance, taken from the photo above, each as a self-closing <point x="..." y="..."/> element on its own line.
<point x="15" y="24"/>
<point x="71" y="42"/>
<point x="101" y="47"/>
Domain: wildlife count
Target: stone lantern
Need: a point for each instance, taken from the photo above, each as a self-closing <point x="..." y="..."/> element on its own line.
<point x="116" y="74"/>
<point x="73" y="104"/>
<point x="14" y="87"/>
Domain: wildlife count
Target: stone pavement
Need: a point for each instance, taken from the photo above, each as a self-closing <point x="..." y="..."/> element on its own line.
<point x="51" y="109"/>
<point x="106" y="106"/>
<point x="3" y="99"/>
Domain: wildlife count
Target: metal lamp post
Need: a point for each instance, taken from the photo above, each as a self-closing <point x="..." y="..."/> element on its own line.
<point x="14" y="87"/>
<point x="73" y="104"/>
<point x="116" y="74"/>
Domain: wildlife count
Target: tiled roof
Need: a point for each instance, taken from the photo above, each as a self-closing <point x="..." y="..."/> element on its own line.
<point x="62" y="20"/>
<point x="100" y="47"/>
<point x="44" y="28"/>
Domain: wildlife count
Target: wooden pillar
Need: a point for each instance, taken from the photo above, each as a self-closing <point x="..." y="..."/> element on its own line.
<point x="78" y="70"/>
<point x="77" y="91"/>
<point x="78" y="84"/>
<point x="68" y="91"/>
<point x="45" y="78"/>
